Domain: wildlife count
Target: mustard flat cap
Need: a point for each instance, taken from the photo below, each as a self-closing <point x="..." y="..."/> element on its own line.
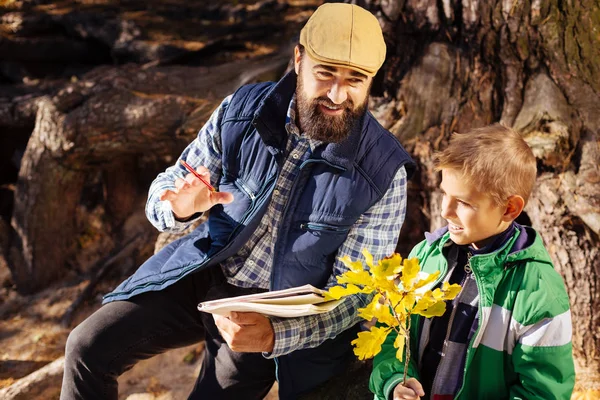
<point x="344" y="35"/>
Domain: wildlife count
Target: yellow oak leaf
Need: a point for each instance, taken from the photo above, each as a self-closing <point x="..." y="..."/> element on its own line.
<point x="379" y="310"/>
<point x="337" y="292"/>
<point x="436" y="310"/>
<point x="408" y="302"/>
<point x="450" y="291"/>
<point x="362" y="278"/>
<point x="355" y="266"/>
<point x="424" y="282"/>
<point x="368" y="312"/>
<point x="392" y="265"/>
<point x="368" y="257"/>
<point x="367" y="344"/>
<point x="437" y="294"/>
<point x="410" y="271"/>
<point x="424" y="302"/>
<point x="399" y="344"/>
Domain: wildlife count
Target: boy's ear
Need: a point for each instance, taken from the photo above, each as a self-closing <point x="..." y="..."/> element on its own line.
<point x="514" y="206"/>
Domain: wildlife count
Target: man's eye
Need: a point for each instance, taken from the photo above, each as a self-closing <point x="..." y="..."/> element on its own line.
<point x="323" y="74"/>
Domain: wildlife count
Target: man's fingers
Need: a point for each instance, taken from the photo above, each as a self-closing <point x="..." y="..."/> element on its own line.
<point x="180" y="183"/>
<point x="168" y="195"/>
<point x="222" y="197"/>
<point x="202" y="170"/>
<point x="223" y="324"/>
<point x="246" y="318"/>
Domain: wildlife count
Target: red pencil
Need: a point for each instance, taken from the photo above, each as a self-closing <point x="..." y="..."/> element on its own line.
<point x="197" y="175"/>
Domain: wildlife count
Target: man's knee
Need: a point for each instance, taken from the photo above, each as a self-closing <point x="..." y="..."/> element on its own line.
<point x="82" y="345"/>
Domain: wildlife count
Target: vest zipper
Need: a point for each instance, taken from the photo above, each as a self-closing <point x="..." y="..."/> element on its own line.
<point x="244" y="189"/>
<point x="253" y="204"/>
<point x="320" y="227"/>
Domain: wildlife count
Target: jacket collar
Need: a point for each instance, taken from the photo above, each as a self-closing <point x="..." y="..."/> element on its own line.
<point x="269" y="120"/>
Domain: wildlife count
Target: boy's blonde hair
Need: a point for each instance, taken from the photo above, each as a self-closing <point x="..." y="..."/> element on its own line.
<point x="495" y="159"/>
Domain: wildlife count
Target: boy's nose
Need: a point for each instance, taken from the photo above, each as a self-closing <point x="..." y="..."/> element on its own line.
<point x="446" y="211"/>
<point x="337" y="93"/>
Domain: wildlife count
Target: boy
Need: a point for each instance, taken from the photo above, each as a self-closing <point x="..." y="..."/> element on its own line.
<point x="508" y="332"/>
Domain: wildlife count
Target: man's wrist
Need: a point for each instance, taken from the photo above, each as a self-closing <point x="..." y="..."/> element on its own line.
<point x="285" y="337"/>
<point x="186" y="219"/>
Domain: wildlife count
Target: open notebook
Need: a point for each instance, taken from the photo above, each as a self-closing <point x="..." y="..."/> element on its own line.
<point x="287" y="303"/>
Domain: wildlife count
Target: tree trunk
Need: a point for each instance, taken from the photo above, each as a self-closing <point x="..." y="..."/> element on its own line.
<point x="534" y="65"/>
<point x="107" y="121"/>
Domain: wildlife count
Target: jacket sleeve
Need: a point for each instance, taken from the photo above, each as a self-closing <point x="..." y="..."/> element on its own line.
<point x="205" y="150"/>
<point x="388" y="371"/>
<point x="542" y="356"/>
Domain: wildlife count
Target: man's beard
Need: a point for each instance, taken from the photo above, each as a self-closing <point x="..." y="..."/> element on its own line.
<point x="326" y="128"/>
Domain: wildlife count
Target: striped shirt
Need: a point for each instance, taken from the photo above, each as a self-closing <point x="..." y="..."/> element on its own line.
<point x="376" y="230"/>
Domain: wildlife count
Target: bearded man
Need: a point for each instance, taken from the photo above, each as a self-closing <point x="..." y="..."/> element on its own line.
<point x="305" y="175"/>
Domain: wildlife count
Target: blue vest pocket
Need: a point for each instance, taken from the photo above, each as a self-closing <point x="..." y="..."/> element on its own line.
<point x="322" y="227"/>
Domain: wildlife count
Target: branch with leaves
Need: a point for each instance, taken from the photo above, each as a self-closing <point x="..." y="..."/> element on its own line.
<point x="400" y="290"/>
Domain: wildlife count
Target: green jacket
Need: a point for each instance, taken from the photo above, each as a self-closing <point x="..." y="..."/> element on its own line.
<point x="522" y="348"/>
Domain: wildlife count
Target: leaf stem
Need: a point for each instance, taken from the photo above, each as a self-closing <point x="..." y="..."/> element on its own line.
<point x="407" y="347"/>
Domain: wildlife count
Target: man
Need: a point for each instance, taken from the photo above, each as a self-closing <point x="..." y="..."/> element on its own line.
<point x="304" y="175"/>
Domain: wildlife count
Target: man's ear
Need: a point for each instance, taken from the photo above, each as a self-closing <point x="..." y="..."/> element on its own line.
<point x="514" y="207"/>
<point x="297" y="59"/>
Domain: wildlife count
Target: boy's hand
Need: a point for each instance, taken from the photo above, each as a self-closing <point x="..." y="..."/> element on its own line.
<point x="246" y="332"/>
<point x="412" y="389"/>
<point x="192" y="196"/>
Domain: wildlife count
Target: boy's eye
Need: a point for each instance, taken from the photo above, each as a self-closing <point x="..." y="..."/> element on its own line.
<point x="463" y="203"/>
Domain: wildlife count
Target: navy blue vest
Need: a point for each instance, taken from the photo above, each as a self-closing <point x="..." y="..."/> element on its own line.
<point x="334" y="188"/>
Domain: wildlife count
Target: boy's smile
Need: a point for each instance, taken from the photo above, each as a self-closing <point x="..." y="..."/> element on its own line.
<point x="472" y="216"/>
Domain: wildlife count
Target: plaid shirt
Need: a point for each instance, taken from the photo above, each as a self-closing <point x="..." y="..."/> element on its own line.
<point x="377" y="230"/>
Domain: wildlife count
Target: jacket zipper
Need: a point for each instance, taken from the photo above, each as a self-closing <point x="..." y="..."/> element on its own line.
<point x="475" y="334"/>
<point x="468" y="272"/>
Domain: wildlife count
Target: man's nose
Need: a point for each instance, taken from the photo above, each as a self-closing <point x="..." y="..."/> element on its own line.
<point x="337" y="93"/>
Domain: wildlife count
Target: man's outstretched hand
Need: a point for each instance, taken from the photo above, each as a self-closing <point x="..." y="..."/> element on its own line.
<point x="246" y="332"/>
<point x="192" y="196"/>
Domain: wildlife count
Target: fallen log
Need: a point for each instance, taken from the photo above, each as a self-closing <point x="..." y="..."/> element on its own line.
<point x="101" y="122"/>
<point x="44" y="383"/>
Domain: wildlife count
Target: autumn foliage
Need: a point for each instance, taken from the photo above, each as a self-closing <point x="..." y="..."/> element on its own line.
<point x="399" y="289"/>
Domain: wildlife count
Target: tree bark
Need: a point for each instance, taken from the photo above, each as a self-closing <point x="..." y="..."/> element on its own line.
<point x="534" y="65"/>
<point x="105" y="122"/>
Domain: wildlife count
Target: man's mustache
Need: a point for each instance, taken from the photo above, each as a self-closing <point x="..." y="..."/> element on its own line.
<point x="346" y="105"/>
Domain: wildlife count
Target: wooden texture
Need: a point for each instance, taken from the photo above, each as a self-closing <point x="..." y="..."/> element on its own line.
<point x="453" y="65"/>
